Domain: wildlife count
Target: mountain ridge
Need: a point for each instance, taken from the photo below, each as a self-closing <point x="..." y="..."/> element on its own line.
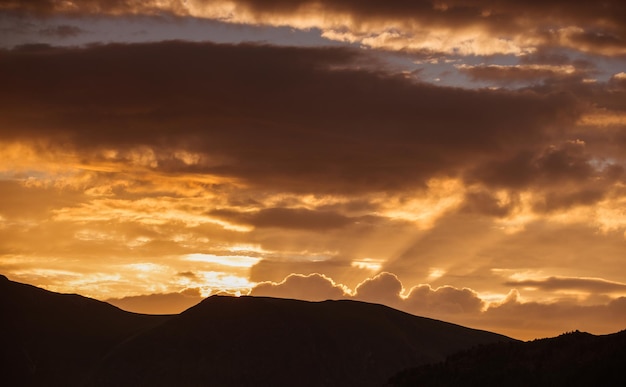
<point x="58" y="339"/>
<point x="570" y="359"/>
<point x="50" y="338"/>
<point x="334" y="342"/>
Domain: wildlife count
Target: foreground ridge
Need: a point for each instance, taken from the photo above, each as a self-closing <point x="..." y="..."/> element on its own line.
<point x="571" y="359"/>
<point x="282" y="342"/>
<point x="68" y="340"/>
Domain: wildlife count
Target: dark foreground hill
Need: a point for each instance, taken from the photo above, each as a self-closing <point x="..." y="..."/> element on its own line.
<point x="56" y="339"/>
<point x="258" y="341"/>
<point x="572" y="359"/>
<point x="52" y="339"/>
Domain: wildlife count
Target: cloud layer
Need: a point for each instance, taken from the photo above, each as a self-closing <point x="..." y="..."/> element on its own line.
<point x="461" y="160"/>
<point x="466" y="27"/>
<point x="240" y="112"/>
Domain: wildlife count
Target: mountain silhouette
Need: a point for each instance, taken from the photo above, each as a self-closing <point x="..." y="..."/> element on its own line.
<point x="571" y="359"/>
<point x="259" y="341"/>
<point x="52" y="339"/>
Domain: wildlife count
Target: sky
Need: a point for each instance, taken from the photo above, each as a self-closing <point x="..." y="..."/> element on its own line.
<point x="461" y="160"/>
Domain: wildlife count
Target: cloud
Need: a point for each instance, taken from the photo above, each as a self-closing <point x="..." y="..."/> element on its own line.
<point x="558" y="201"/>
<point x="312" y="287"/>
<point x="22" y="202"/>
<point x="292" y="218"/>
<point x="424" y="300"/>
<point x="145" y="103"/>
<point x="477" y="27"/>
<point x="606" y="42"/>
<point x="285" y="262"/>
<point x="560" y="176"/>
<point x="565" y="163"/>
<point x="384" y="288"/>
<point x="593" y="285"/>
<point x="510" y="314"/>
<point x="519" y="73"/>
<point x="188" y="274"/>
<point x="618" y="81"/>
<point x="262" y="161"/>
<point x="484" y="202"/>
<point x="91" y="7"/>
<point x="61" y="31"/>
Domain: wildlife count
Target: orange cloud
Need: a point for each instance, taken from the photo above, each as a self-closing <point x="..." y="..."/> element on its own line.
<point x="312" y="287"/>
<point x="384" y="288"/>
<point x="262" y="161"/>
<point x="467" y="28"/>
<point x="523" y="320"/>
<point x="593" y="285"/>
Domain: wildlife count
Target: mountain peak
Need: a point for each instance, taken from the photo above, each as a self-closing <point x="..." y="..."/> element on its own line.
<point x="283" y="342"/>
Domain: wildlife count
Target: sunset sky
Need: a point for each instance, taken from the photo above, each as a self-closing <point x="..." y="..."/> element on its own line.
<point x="462" y="160"/>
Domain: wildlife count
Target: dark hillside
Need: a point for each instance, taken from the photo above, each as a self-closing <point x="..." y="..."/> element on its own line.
<point x="54" y="339"/>
<point x="572" y="359"/>
<point x="257" y="341"/>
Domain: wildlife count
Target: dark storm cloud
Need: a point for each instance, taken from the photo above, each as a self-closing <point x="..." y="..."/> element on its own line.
<point x="296" y="119"/>
<point x="567" y="164"/>
<point x="553" y="201"/>
<point x="484" y="202"/>
<point x="566" y="175"/>
<point x="594" y="285"/>
<point x="599" y="40"/>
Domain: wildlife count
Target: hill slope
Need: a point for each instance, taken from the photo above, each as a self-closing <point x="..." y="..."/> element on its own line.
<point x="258" y="341"/>
<point x="572" y="359"/>
<point x="54" y="339"/>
